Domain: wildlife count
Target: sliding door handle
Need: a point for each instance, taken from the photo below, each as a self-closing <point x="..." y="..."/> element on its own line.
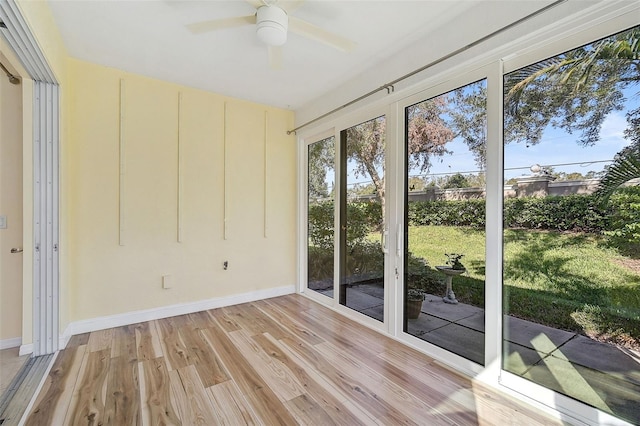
<point x="384" y="236"/>
<point x="16" y="250"/>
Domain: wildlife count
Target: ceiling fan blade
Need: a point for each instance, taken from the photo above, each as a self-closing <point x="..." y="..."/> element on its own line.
<point x="275" y="57"/>
<point x="219" y="24"/>
<point x="255" y="3"/>
<point x="308" y="30"/>
<point x="290" y="5"/>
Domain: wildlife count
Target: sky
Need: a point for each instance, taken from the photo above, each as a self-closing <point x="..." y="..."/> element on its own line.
<point x="556" y="147"/>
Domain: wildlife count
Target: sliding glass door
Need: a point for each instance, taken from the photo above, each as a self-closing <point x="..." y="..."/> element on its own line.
<point x="362" y="218"/>
<point x="444" y="263"/>
<point x="346" y="231"/>
<point x="502" y="252"/>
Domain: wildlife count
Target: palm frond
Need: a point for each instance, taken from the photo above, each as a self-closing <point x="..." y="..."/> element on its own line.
<point x="576" y="67"/>
<point x="625" y="167"/>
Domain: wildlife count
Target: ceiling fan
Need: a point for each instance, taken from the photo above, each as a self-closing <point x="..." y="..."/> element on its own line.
<point x="273" y="22"/>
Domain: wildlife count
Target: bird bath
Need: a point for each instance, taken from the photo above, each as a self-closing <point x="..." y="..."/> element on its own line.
<point x="449" y="296"/>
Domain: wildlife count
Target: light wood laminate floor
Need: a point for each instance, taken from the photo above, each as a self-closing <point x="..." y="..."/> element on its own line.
<point x="10" y="364"/>
<point x="281" y="361"/>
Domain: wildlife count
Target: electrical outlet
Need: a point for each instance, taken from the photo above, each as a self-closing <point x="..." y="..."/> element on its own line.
<point x="225" y="265"/>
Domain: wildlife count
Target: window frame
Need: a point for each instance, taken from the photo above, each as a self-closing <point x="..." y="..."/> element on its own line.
<point x="577" y="29"/>
<point x="453" y="360"/>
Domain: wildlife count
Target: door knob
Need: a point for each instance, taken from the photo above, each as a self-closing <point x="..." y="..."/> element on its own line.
<point x="16" y="250"/>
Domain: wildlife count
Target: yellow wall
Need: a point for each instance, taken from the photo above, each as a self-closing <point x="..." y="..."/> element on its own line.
<point x="10" y="205"/>
<point x="107" y="278"/>
<point x="98" y="276"/>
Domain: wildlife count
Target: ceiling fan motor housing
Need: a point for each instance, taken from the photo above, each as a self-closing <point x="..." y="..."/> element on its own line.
<point x="272" y="24"/>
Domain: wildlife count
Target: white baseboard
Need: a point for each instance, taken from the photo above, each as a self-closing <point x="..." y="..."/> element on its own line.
<point x="26" y="349"/>
<point x="10" y="343"/>
<point x="101" y="323"/>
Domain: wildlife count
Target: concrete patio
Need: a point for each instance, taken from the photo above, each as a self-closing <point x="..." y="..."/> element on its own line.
<point x="603" y="375"/>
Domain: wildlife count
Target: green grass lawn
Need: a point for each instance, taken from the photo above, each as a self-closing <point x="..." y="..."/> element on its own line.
<point x="569" y="281"/>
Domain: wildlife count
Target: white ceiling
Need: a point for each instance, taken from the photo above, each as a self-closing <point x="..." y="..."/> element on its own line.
<point x="150" y="38"/>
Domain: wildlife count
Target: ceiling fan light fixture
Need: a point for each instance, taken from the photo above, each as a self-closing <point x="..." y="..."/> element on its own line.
<point x="271" y="25"/>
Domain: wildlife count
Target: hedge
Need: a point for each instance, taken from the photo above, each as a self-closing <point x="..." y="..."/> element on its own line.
<point x="363" y="217"/>
<point x="579" y="213"/>
<point x="624" y="219"/>
<point x="448" y="213"/>
<point x="561" y="213"/>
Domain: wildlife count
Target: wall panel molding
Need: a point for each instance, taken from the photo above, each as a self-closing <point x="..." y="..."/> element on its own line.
<point x="180" y="170"/>
<point x="121" y="166"/>
<point x="266" y="174"/>
<point x="225" y="166"/>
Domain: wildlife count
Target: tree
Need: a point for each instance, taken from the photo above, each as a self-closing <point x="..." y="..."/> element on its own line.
<point x="625" y="167"/>
<point x="456" y="181"/>
<point x="427" y="132"/>
<point x="583" y="86"/>
<point x="427" y="135"/>
<point x="366" y="146"/>
<point x="320" y="161"/>
<point x="361" y="189"/>
<point x="574" y="91"/>
<point x="469" y="119"/>
<point x="416" y="183"/>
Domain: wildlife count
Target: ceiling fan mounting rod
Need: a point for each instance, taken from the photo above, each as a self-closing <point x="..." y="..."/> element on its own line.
<point x="389" y="87"/>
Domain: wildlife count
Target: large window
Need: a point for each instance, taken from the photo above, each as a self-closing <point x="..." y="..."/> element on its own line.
<point x="571" y="279"/>
<point x="496" y="222"/>
<point x="445" y="220"/>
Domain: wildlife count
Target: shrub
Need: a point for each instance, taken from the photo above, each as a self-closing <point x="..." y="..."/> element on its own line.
<point x="320" y="264"/>
<point x="624" y="219"/>
<point x="365" y="258"/>
<point x="448" y="213"/>
<point x="364" y="218"/>
<point x="321" y="225"/>
<point x="560" y="213"/>
<point x="422" y="277"/>
<point x="619" y="219"/>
